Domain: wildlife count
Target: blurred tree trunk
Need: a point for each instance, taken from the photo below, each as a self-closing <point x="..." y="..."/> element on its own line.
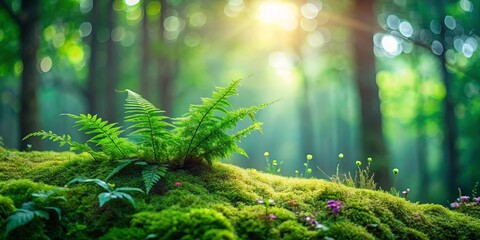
<point x="92" y="82"/>
<point x="111" y="68"/>
<point x="371" y="120"/>
<point x="28" y="21"/>
<point x="168" y="65"/>
<point x="146" y="48"/>
<point x="450" y="131"/>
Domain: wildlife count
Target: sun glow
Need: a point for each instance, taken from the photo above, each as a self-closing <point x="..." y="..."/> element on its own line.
<point x="279" y="13"/>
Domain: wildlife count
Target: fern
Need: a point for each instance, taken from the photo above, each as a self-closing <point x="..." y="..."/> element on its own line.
<point x="152" y="174"/>
<point x="204" y="127"/>
<point x="149" y="123"/>
<point x="122" y="165"/>
<point x="65" y="139"/>
<point x="201" y="117"/>
<point x="106" y="135"/>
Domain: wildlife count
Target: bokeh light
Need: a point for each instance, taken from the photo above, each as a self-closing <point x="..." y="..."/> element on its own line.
<point x="46" y="64"/>
<point x="132" y="2"/>
<point x="279" y="13"/>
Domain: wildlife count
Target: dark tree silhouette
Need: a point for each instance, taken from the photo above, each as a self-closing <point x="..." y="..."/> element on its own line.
<point x="28" y="22"/>
<point x="372" y="140"/>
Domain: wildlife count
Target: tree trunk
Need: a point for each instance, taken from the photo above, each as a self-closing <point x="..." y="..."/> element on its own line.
<point x="145" y="63"/>
<point x="111" y="69"/>
<point x="92" y="85"/>
<point x="29" y="23"/>
<point x="371" y="120"/>
<point x="167" y="65"/>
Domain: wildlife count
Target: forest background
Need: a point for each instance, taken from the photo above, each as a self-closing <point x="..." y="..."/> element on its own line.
<point x="395" y="80"/>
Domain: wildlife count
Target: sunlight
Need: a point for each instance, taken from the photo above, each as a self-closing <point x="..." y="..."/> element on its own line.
<point x="278" y="13"/>
<point x="390" y="44"/>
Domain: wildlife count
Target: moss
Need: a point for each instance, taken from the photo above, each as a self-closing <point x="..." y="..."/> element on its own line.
<point x="194" y="224"/>
<point x="219" y="202"/>
<point x="20" y="191"/>
<point x="346" y="230"/>
<point x="6" y="207"/>
<point x="132" y="233"/>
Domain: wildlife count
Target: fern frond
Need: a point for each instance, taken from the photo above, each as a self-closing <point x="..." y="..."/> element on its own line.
<point x="202" y="116"/>
<point x="148" y="122"/>
<point x="122" y="165"/>
<point x="105" y="135"/>
<point x="152" y="174"/>
<point x="225" y="123"/>
<point x="63" y="140"/>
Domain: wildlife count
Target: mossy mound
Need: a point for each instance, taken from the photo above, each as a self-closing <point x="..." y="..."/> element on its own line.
<point x="215" y="202"/>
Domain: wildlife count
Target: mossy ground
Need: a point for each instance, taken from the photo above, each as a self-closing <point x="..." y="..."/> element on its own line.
<point x="214" y="202"/>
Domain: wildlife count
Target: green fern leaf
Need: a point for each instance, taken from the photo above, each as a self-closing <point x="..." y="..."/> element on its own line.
<point x="105" y="135"/>
<point x="202" y="117"/>
<point x="123" y="164"/>
<point x="152" y="174"/>
<point x="150" y="125"/>
<point x="65" y="139"/>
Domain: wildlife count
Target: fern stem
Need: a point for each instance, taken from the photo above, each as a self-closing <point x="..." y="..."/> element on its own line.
<point x="153" y="139"/>
<point x="205" y="115"/>
<point x="209" y="135"/>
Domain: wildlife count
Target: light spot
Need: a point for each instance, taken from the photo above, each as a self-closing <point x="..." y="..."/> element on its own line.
<point x="46" y="64"/>
<point x="437" y="47"/>
<point x="390" y="44"/>
<point x="466" y="5"/>
<point x="198" y="19"/>
<point x="310" y="10"/>
<point x="85" y="29"/>
<point x="393" y="21"/>
<point x="278" y="13"/>
<point x="131" y="2"/>
<point x="450" y="22"/>
<point x="406" y="29"/>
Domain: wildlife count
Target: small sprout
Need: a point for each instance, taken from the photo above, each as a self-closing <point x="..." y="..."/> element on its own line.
<point x="309" y="157"/>
<point x="369" y="160"/>
<point x="266" y="154"/>
<point x="340" y="155"/>
<point x="274" y="162"/>
<point x="178" y="184"/>
<point x="395" y="171"/>
<point x="358" y="163"/>
<point x="309" y="170"/>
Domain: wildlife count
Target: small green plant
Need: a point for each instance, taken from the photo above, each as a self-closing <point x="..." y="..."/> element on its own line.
<point x="308" y="170"/>
<point x="363" y="178"/>
<point x="393" y="189"/>
<point x="273" y="167"/>
<point x="111" y="192"/>
<point x="37" y="208"/>
<point x="199" y="135"/>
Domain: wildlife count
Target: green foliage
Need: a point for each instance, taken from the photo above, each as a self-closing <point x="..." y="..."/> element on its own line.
<point x="202" y="129"/>
<point x="6" y="207"/>
<point x="34" y="209"/>
<point x="197" y="223"/>
<point x="152" y="174"/>
<point x="106" y="135"/>
<point x="112" y="193"/>
<point x="199" y="135"/>
<point x="150" y="125"/>
<point x="65" y="139"/>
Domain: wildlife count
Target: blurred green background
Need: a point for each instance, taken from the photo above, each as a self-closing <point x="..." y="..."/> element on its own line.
<point x="394" y="80"/>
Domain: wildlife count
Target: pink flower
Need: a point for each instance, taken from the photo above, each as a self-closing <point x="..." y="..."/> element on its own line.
<point x="454" y="204"/>
<point x="178" y="184"/>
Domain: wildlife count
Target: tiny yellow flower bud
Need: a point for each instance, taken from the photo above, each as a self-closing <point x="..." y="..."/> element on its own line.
<point x="266" y="154"/>
<point x="309" y="157"/>
<point x="395" y="171"/>
<point x="340" y="155"/>
<point x="358" y="163"/>
<point x="369" y="160"/>
<point x="274" y="162"/>
<point x="296" y="171"/>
